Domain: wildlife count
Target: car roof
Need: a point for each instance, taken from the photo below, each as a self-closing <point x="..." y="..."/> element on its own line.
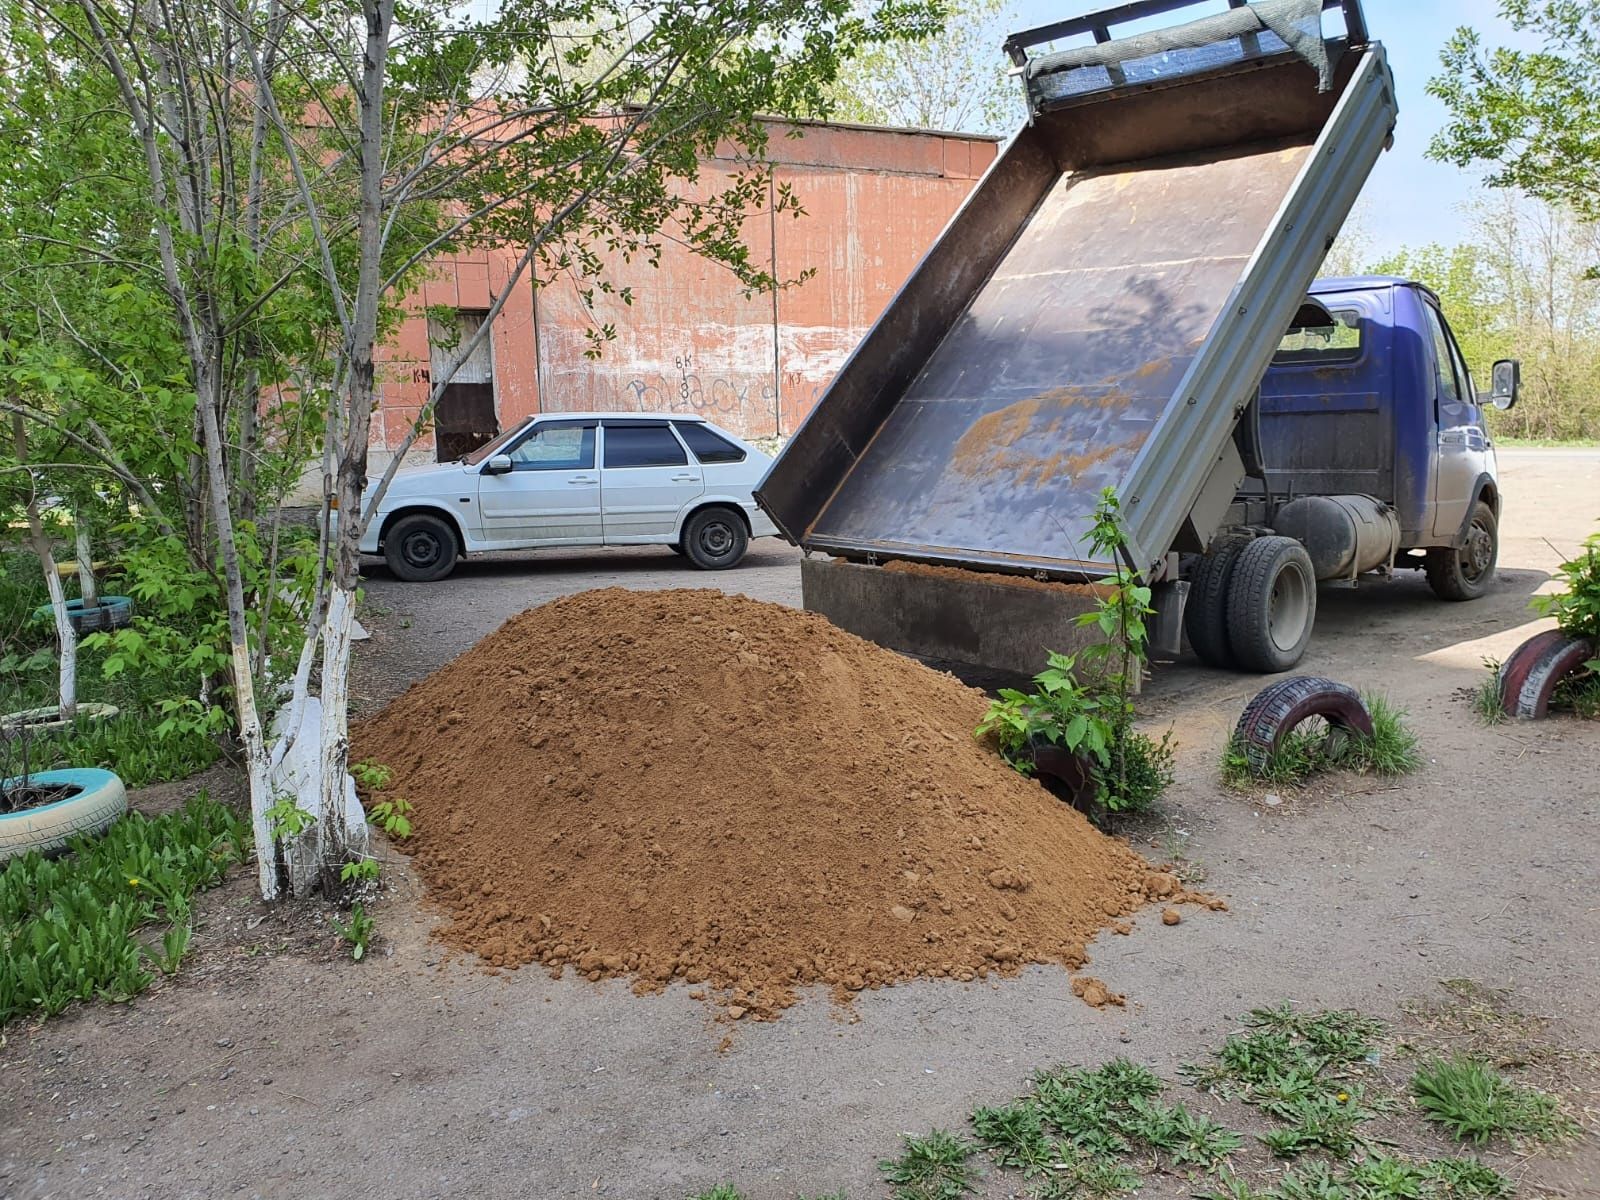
<point x="635" y="415"/>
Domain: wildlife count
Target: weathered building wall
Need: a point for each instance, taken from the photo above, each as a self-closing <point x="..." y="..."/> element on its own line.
<point x="691" y="341"/>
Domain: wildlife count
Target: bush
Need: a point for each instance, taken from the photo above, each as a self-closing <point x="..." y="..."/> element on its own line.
<point x="79" y="927"/>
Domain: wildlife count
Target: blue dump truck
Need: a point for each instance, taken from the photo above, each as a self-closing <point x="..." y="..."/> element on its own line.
<point x="1127" y="301"/>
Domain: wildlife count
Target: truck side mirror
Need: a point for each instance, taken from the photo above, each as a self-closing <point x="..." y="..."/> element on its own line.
<point x="1505" y="380"/>
<point x="500" y="464"/>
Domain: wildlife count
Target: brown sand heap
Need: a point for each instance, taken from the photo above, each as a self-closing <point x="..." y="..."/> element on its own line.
<point x="689" y="785"/>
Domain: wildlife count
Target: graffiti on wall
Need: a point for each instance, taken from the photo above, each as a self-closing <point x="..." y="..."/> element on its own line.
<point x="747" y="404"/>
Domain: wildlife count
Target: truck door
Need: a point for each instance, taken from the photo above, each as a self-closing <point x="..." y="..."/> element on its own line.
<point x="1463" y="446"/>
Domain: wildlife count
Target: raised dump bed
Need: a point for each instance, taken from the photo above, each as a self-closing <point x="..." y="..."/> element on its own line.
<point x="1100" y="311"/>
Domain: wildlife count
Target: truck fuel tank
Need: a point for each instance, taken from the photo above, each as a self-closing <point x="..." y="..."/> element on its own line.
<point x="1345" y="535"/>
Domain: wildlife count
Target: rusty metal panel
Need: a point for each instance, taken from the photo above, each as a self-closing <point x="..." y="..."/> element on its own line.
<point x="1045" y="387"/>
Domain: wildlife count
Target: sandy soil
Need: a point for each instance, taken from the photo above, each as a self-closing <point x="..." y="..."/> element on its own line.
<point x="273" y="1067"/>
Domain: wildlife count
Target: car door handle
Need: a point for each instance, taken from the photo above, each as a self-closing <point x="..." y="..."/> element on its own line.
<point x="578" y="479"/>
<point x="689" y="478"/>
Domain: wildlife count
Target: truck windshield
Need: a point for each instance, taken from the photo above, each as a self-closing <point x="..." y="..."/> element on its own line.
<point x="1338" y="342"/>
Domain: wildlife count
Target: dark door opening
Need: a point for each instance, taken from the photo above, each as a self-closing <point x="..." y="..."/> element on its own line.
<point x="465" y="417"/>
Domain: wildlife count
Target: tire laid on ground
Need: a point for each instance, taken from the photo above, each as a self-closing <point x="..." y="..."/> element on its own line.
<point x="1552" y="662"/>
<point x="420" y="548"/>
<point x="112" y="612"/>
<point x="1272" y="605"/>
<point x="715" y="539"/>
<point x="1465" y="574"/>
<point x="1205" y="617"/>
<point x="1286" y="703"/>
<point x="1514" y="671"/>
<point x="99" y="801"/>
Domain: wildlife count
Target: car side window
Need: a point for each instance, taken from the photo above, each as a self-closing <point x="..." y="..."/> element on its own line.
<point x="708" y="446"/>
<point x="1444" y="360"/>
<point x="1463" y="375"/>
<point x="643" y="446"/>
<point x="558" y="448"/>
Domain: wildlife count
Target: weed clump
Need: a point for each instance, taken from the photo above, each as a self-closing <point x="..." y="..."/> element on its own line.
<point x="1474" y="1103"/>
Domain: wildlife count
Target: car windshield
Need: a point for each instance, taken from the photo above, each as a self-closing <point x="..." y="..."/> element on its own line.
<point x="474" y="457"/>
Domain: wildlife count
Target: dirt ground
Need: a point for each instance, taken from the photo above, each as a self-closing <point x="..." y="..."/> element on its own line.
<point x="273" y="1067"/>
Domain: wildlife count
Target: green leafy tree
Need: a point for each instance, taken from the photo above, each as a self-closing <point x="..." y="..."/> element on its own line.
<point x="953" y="78"/>
<point x="1529" y="115"/>
<point x="294" y="171"/>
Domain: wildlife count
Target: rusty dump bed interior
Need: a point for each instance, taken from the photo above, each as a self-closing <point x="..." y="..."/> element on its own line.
<point x="1061" y="320"/>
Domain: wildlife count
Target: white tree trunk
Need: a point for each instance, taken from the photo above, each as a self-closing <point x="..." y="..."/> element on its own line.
<point x="86" y="584"/>
<point x="66" y="636"/>
<point x="334" y="744"/>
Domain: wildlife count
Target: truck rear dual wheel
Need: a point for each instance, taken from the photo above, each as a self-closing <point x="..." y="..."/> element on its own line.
<point x="1252" y="604"/>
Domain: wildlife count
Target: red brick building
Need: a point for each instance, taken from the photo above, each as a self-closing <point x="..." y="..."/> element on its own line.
<point x="691" y="342"/>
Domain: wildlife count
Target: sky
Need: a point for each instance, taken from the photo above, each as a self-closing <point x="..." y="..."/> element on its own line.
<point x="1409" y="200"/>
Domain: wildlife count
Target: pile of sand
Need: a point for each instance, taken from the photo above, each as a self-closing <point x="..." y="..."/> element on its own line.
<point x="688" y="785"/>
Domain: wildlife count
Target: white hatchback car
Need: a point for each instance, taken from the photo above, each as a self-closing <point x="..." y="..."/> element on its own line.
<point x="577" y="479"/>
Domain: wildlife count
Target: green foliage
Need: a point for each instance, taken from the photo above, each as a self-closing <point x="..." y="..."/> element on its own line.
<point x="357" y="931"/>
<point x="954" y="78"/>
<point x="78" y="927"/>
<point x="1390" y="752"/>
<point x="1576" y="608"/>
<point x="931" y="1168"/>
<point x="1093" y="716"/>
<point x="1474" y="1103"/>
<point x="286" y="819"/>
<point x="373" y="775"/>
<point x="124" y="744"/>
<point x="393" y="817"/>
<point x="360" y="870"/>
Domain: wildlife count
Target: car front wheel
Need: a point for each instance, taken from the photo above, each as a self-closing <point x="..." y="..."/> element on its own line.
<point x="420" y="548"/>
<point x="715" y="539"/>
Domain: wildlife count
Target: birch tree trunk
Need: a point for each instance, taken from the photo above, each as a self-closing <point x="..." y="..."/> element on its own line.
<point x="66" y="636"/>
<point x="86" y="584"/>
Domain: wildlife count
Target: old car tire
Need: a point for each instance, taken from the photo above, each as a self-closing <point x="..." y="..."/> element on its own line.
<point x="1554" y="661"/>
<point x="420" y="548"/>
<point x="1205" y="617"/>
<point x="1465" y="574"/>
<point x="1272" y="605"/>
<point x="1281" y="706"/>
<point x="112" y="612"/>
<point x="1513" y="672"/>
<point x="99" y="801"/>
<point x="715" y="539"/>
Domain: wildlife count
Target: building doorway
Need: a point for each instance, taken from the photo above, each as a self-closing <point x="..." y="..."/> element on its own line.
<point x="466" y="415"/>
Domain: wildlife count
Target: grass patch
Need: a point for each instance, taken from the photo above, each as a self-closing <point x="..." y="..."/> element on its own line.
<point x="1474" y="1103"/>
<point x="931" y="1168"/>
<point x="1486" y="701"/>
<point x="1096" y="1133"/>
<point x="1391" y="751"/>
<point x="104" y="918"/>
<point x="124" y="744"/>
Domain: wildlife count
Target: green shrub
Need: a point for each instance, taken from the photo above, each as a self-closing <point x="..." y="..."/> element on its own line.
<point x="1474" y="1103"/>
<point x="90" y="923"/>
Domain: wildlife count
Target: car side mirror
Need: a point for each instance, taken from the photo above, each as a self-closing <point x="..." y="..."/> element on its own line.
<point x="498" y="464"/>
<point x="1504" y="383"/>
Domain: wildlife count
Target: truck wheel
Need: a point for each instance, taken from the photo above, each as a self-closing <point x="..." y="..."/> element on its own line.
<point x="715" y="539"/>
<point x="1272" y="605"/>
<point x="1554" y="662"/>
<point x="420" y="548"/>
<point x="1465" y="574"/>
<point x="1281" y="707"/>
<point x="1205" y="617"/>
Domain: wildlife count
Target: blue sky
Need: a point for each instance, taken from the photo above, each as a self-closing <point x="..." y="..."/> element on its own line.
<point x="1409" y="200"/>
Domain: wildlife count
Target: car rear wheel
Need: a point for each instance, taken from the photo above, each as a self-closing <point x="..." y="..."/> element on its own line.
<point x="1206" y="616"/>
<point x="420" y="548"/>
<point x="715" y="539"/>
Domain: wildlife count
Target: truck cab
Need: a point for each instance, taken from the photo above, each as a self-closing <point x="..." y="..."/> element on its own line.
<point x="1369" y="398"/>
